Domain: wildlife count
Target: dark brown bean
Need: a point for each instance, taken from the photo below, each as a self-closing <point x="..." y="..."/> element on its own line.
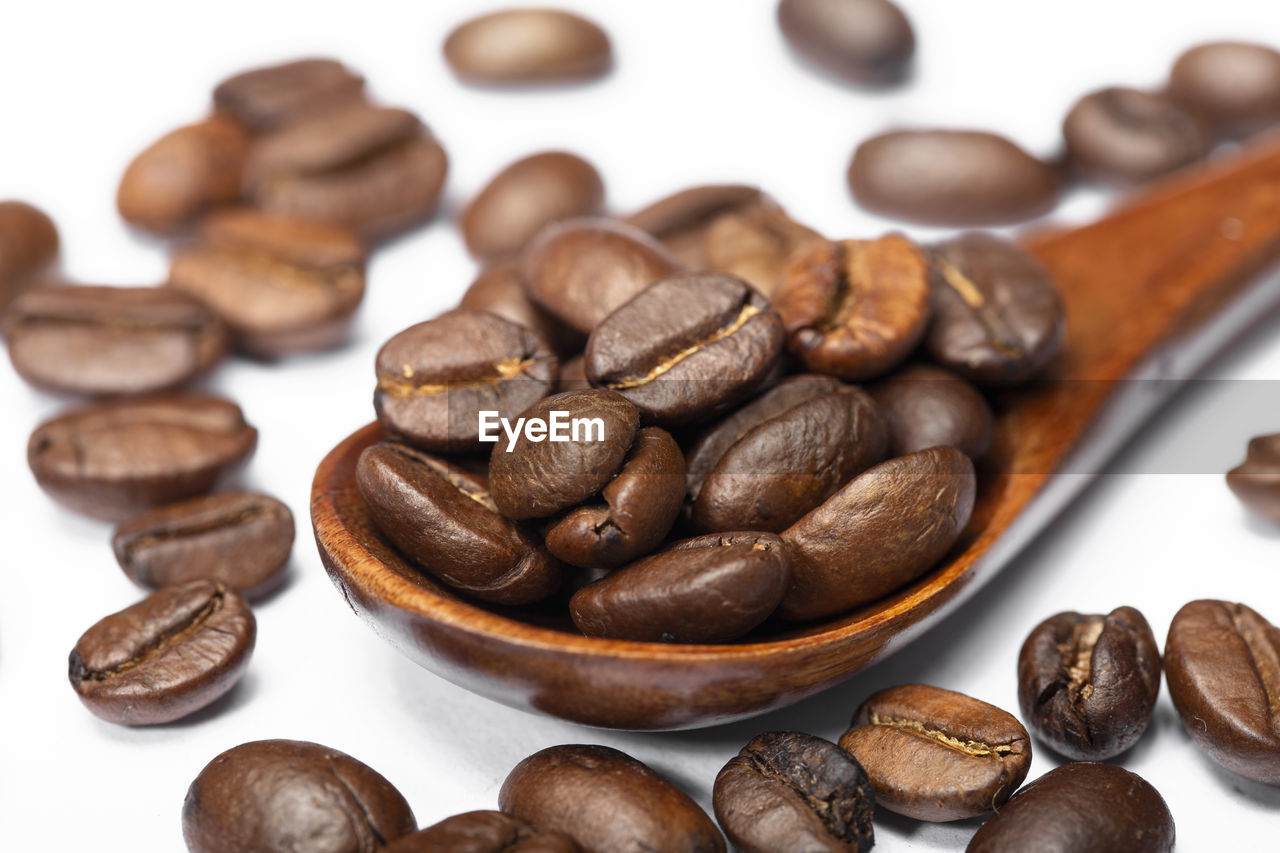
<point x="925" y="406"/>
<point x="573" y="375"/>
<point x="1087" y="684"/>
<point x="680" y="221"/>
<point x="951" y="177"/>
<point x="276" y="95"/>
<point x="28" y="246"/>
<point x="937" y="755"/>
<point x="274" y="795"/>
<point x="1126" y="136"/>
<point x="115" y="459"/>
<point x="483" y="832"/>
<point x="1235" y="85"/>
<point x="860" y="41"/>
<point x="754" y="242"/>
<point x="1222" y="662"/>
<point x="169" y="655"/>
<point x="527" y="46"/>
<point x="607" y="801"/>
<point x="500" y="290"/>
<point x="1256" y="480"/>
<point x="242" y="539"/>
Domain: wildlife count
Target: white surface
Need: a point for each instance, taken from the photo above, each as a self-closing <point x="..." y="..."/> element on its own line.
<point x="702" y="91"/>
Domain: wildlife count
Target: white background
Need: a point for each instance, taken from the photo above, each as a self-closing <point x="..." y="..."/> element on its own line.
<point x="702" y="91"/>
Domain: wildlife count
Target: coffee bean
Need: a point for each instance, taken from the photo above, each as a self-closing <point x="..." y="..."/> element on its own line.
<point x="855" y="308"/>
<point x="115" y="459"/>
<point x="926" y="406"/>
<point x="28" y="246"/>
<point x="539" y="478"/>
<point x="483" y="832"/>
<point x="860" y="41"/>
<point x="184" y="174"/>
<point x="998" y="318"/>
<point x="1087" y="684"/>
<point x="712" y="589"/>
<point x="242" y="539"/>
<point x="435" y="378"/>
<point x="887" y="527"/>
<point x="276" y="95"/>
<point x="638" y="507"/>
<point x="1234" y="85"/>
<point x="283" y="285"/>
<point x="526" y="47"/>
<point x="443" y="518"/>
<point x="680" y="221"/>
<point x="1080" y="808"/>
<point x="581" y="270"/>
<point x="754" y="242"/>
<point x="687" y="347"/>
<point x="792" y="791"/>
<point x="1222" y="662"/>
<point x="328" y="140"/>
<point x="573" y="375"/>
<point x="937" y="755"/>
<point x="500" y="290"/>
<point x="274" y="795"/>
<point x="607" y="801"/>
<point x="1256" y="480"/>
<point x="169" y="655"/>
<point x="527" y="195"/>
<point x="951" y="177"/>
<point x="1124" y="136"/>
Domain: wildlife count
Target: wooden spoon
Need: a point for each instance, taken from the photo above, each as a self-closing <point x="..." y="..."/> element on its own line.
<point x="1151" y="292"/>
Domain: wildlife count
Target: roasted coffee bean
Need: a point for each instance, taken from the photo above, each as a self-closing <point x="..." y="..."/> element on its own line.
<point x="639" y="506"/>
<point x="435" y="378"/>
<point x="527" y="46"/>
<point x="607" y="801"/>
<point x="997" y="315"/>
<point x="925" y="406"/>
<point x="792" y="791"/>
<point x="500" y="290"/>
<point x="276" y="95"/>
<point x="483" y="832"/>
<point x="887" y="527"/>
<point x="754" y="242"/>
<point x="273" y="795"/>
<point x="680" y="221"/>
<point x="443" y="518"/>
<point x="1256" y="480"/>
<point x="283" y="285"/>
<point x="1222" y="662"/>
<point x="1235" y="85"/>
<point x="1080" y="808"/>
<point x="169" y="655"/>
<point x="28" y="246"/>
<point x="573" y="375"/>
<point x="242" y="539"/>
<point x="115" y="459"/>
<point x="712" y="589"/>
<point x="790" y="462"/>
<point x="184" y="174"/>
<point x="855" y="308"/>
<point x="527" y="195"/>
<point x="937" y="755"/>
<point x="534" y="477"/>
<point x="686" y="347"/>
<point x="111" y="340"/>
<point x="329" y="140"/>
<point x="1124" y="136"/>
<point x="861" y="41"/>
<point x="1087" y="684"/>
<point x="951" y="177"/>
<point x="582" y="269"/>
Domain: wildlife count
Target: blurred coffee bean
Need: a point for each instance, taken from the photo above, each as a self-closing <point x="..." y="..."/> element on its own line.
<point x="1256" y="480"/>
<point x="859" y="41"/>
<point x="680" y="221"/>
<point x="276" y="95"/>
<point x="527" y="47"/>
<point x="855" y="308"/>
<point x="483" y="832"/>
<point x="1126" y="136"/>
<point x="573" y="375"/>
<point x="754" y="243"/>
<point x="926" y="406"/>
<point x="951" y="177"/>
<point x="1235" y="85"/>
<point x="28" y="246"/>
<point x="499" y="289"/>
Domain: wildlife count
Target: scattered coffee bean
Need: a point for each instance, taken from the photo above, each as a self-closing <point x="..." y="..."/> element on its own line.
<point x="328" y="140"/>
<point x="1256" y="480"/>
<point x="926" y="406"/>
<point x="855" y="308"/>
<point x="500" y="290"/>
<point x="712" y="589"/>
<point x="527" y="46"/>
<point x="860" y="41"/>
<point x="998" y="318"/>
<point x="115" y="459"/>
<point x="937" y="755"/>
<point x="1087" y="684"/>
<point x="1222" y="662"/>
<point x="681" y="220"/>
<point x="1235" y="85"/>
<point x="686" y="347"/>
<point x="607" y="801"/>
<point x="1126" y="136"/>
<point x="1099" y="808"/>
<point x="887" y="527"/>
<point x="754" y="242"/>
<point x="483" y="832"/>
<point x="276" y="95"/>
<point x="28" y="246"/>
<point x="792" y="791"/>
<point x="951" y="177"/>
<point x="169" y="655"/>
<point x="274" y="795"/>
<point x="242" y="539"/>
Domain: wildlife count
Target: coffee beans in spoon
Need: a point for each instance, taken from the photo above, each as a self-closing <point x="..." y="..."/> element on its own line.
<point x="1256" y="481"/>
<point x="924" y="406"/>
